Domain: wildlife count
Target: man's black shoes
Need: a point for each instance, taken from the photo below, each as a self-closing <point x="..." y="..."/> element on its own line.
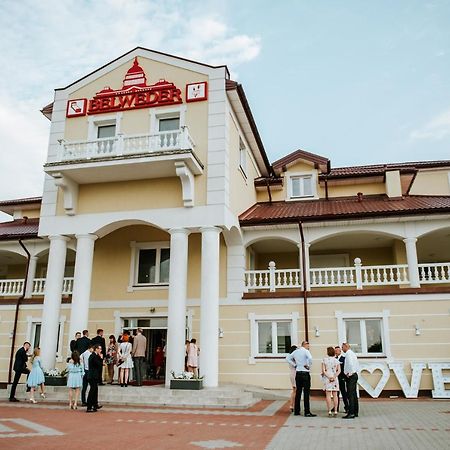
<point x="310" y="415"/>
<point x="91" y="410"/>
<point x="349" y="416"/>
<point x="14" y="399"/>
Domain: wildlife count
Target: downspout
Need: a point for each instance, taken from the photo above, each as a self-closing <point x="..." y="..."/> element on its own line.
<point x="304" y="278"/>
<point x="268" y="191"/>
<point x="16" y="316"/>
<point x="326" y="187"/>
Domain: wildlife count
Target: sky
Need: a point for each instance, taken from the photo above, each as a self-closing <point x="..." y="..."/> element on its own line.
<point x="359" y="82"/>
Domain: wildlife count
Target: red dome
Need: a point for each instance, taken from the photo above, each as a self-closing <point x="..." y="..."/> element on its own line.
<point x="135" y="68"/>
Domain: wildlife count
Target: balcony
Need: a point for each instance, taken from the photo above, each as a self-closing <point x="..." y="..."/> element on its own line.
<point x="14" y="288"/>
<point x="125" y="157"/>
<point x="356" y="277"/>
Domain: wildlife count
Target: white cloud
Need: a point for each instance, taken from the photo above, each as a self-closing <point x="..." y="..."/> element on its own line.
<point x="50" y="43"/>
<point x="436" y="129"/>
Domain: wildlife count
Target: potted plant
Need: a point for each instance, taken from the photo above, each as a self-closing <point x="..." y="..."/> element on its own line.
<point x="56" y="377"/>
<point x="186" y="381"/>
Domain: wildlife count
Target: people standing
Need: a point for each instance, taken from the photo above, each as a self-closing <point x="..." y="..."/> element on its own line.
<point x="138" y="352"/>
<point x="83" y="343"/>
<point x="36" y="377"/>
<point x="100" y="340"/>
<point x="73" y="342"/>
<point x="301" y="359"/>
<point x="186" y="350"/>
<point x="330" y="372"/>
<point x="111" y="357"/>
<point x="85" y="361"/>
<point x="75" y="374"/>
<point x="124" y="360"/>
<point x="20" y="367"/>
<point x="341" y="378"/>
<point x="351" y="369"/>
<point x="192" y="360"/>
<point x="94" y="378"/>
<point x="158" y="361"/>
<point x="292" y="373"/>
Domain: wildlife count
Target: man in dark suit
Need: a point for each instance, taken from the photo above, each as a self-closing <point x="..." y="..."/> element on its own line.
<point x="342" y="378"/>
<point x="94" y="378"/>
<point x="100" y="340"/>
<point x="20" y="367"/>
<point x="83" y="343"/>
<point x="73" y="342"/>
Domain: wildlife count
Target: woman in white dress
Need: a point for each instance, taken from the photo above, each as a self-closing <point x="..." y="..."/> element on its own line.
<point x="192" y="357"/>
<point x="124" y="360"/>
<point x="331" y="368"/>
<point x="292" y="374"/>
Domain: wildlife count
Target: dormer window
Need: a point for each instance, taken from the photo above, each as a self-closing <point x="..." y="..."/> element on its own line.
<point x="302" y="186"/>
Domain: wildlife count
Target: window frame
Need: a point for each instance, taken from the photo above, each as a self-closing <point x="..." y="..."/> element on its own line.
<point x="31" y="332"/>
<point x="136" y="247"/>
<point x="156" y="114"/>
<point x="94" y="122"/>
<point x="383" y="316"/>
<point x="255" y="319"/>
<point x="290" y="184"/>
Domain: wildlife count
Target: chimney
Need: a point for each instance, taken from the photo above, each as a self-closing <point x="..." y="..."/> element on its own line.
<point x="360" y="196"/>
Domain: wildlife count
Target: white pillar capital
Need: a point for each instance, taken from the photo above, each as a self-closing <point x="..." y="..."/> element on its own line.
<point x="93" y="237"/>
<point x="410" y="240"/>
<point x="58" y="237"/>
<point x="175" y="231"/>
<point x="210" y="229"/>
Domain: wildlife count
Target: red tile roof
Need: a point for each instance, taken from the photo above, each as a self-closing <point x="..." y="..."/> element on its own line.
<point x="302" y="154"/>
<point x="21" y="201"/>
<point x="19" y="229"/>
<point x="343" y="208"/>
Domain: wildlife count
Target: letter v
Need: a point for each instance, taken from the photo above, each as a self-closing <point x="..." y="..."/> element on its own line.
<point x="410" y="390"/>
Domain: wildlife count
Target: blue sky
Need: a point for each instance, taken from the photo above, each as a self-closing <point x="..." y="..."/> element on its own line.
<point x="359" y="82"/>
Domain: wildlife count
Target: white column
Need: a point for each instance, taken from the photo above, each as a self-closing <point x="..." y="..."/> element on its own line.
<point x="52" y="299"/>
<point x="82" y="283"/>
<point x="308" y="287"/>
<point x="411" y="258"/>
<point x="30" y="277"/>
<point x="209" y="306"/>
<point x="176" y="320"/>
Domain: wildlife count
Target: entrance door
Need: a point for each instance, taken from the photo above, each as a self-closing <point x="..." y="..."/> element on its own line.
<point x="155" y="338"/>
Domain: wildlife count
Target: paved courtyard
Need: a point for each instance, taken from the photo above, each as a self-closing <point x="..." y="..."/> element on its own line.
<point x="383" y="424"/>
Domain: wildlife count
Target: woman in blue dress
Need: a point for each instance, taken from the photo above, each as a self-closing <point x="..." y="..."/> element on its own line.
<point x="36" y="377"/>
<point x="75" y="373"/>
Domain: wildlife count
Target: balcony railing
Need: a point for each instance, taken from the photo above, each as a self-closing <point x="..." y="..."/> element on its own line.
<point x="122" y="145"/>
<point x="14" y="288"/>
<point x="434" y="273"/>
<point x="358" y="276"/>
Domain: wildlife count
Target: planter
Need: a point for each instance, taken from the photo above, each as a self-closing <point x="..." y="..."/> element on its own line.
<point x="55" y="381"/>
<point x="193" y="385"/>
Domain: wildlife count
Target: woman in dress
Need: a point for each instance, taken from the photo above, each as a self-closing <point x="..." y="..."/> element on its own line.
<point x="331" y="368"/>
<point x="192" y="361"/>
<point x="111" y="357"/>
<point x="36" y="377"/>
<point x="75" y="374"/>
<point x="292" y="374"/>
<point x="158" y="361"/>
<point x="125" y="361"/>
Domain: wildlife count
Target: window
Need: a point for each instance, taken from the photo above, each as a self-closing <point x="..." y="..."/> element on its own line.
<point x="106" y="131"/>
<point x="150" y="264"/>
<point x="302" y="186"/>
<point x="368" y="333"/>
<point x="272" y="336"/>
<point x="242" y="157"/>
<point x="34" y="334"/>
<point x="169" y="124"/>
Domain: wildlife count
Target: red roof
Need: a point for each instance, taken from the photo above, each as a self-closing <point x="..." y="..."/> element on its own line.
<point x="21" y="201"/>
<point x="19" y="229"/>
<point x="343" y="208"/>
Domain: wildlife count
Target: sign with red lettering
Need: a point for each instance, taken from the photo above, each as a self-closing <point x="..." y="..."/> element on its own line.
<point x="135" y="94"/>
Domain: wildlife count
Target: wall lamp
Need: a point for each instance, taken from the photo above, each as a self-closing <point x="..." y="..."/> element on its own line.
<point x="417" y="330"/>
<point x="220" y="333"/>
<point x="316" y="331"/>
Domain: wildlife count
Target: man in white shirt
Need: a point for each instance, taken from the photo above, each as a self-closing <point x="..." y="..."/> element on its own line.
<point x="351" y="369"/>
<point x="85" y="361"/>
<point x="301" y="359"/>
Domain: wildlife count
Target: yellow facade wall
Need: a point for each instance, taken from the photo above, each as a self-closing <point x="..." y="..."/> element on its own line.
<point x="433" y="182"/>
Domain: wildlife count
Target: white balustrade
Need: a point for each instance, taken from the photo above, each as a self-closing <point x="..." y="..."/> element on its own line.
<point x="11" y="288"/>
<point x="127" y="145"/>
<point x="257" y="279"/>
<point x="434" y="273"/>
<point x="332" y="276"/>
<point x="385" y="275"/>
<point x="39" y="286"/>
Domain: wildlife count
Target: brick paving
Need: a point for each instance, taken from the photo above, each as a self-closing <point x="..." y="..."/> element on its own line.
<point x="383" y="424"/>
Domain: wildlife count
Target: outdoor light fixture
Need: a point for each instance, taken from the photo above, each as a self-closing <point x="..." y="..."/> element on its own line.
<point x="317" y="331"/>
<point x="417" y="330"/>
<point x="220" y="333"/>
<point x="152" y="310"/>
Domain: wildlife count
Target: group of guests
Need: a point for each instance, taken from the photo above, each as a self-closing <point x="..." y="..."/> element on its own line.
<point x="339" y="375"/>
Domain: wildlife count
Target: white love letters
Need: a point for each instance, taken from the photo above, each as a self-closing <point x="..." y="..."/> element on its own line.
<point x="410" y="390"/>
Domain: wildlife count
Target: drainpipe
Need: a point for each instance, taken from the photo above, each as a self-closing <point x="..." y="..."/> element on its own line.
<point x="304" y="275"/>
<point x="16" y="316"/>
<point x="268" y="191"/>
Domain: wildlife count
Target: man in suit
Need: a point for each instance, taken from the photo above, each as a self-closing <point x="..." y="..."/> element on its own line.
<point x="351" y="369"/>
<point x="100" y="340"/>
<point x="73" y="342"/>
<point x="20" y="367"/>
<point x="84" y="357"/>
<point x="138" y="352"/>
<point x="83" y="343"/>
<point x="301" y="359"/>
<point x="94" y="378"/>
<point x="342" y="378"/>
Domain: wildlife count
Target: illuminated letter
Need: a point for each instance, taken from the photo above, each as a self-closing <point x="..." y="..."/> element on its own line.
<point x="410" y="390"/>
